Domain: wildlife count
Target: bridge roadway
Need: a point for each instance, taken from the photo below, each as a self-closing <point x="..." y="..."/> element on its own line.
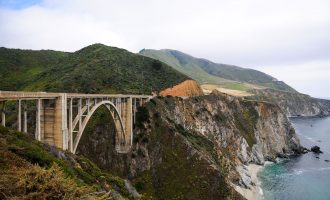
<point x="62" y="117"/>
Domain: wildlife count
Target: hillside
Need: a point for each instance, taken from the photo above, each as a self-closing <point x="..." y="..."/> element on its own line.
<point x="19" y="68"/>
<point x="207" y="72"/>
<point x="294" y="104"/>
<point x="93" y="69"/>
<point x="237" y="81"/>
<point x="32" y="170"/>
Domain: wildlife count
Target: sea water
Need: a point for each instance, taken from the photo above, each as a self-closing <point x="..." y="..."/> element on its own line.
<point x="305" y="177"/>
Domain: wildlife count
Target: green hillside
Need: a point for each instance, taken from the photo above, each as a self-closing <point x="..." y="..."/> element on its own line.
<point x="205" y="71"/>
<point x="19" y="67"/>
<point x="32" y="170"/>
<point x="93" y="69"/>
<point x="191" y="69"/>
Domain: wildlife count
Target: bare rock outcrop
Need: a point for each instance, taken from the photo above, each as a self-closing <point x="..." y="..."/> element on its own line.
<point x="187" y="88"/>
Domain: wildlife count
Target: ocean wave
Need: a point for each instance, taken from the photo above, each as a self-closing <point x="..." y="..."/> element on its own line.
<point x="298" y="172"/>
<point x="301" y="171"/>
<point x="307" y="138"/>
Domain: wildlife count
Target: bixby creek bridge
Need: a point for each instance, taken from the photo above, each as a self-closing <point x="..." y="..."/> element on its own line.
<point x="60" y="118"/>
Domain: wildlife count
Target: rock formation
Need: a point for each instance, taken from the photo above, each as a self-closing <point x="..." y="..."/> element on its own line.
<point x="194" y="147"/>
<point x="294" y="104"/>
<point x="316" y="149"/>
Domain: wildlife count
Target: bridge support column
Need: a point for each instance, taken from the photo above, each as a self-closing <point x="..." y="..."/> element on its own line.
<point x="3" y="114"/>
<point x="60" y="123"/>
<point x="51" y="126"/>
<point x="38" y="120"/>
<point x="3" y="118"/>
<point x="70" y="126"/>
<point x="128" y="122"/>
<point x="19" y="116"/>
<point x="134" y="111"/>
<point x="25" y="121"/>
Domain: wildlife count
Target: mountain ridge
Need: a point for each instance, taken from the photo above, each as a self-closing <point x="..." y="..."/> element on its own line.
<point x="251" y="84"/>
<point x="96" y="68"/>
<point x="214" y="73"/>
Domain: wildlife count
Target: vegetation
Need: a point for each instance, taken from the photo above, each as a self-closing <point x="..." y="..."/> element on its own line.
<point x="18" y="68"/>
<point x="190" y="69"/>
<point x="35" y="182"/>
<point x="30" y="169"/>
<point x="93" y="69"/>
<point x="207" y="72"/>
<point x="179" y="171"/>
<point x="247" y="125"/>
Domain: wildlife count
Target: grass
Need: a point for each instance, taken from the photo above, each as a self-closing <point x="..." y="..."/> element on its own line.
<point x="30" y="168"/>
<point x="236" y="86"/>
<point x="193" y="71"/>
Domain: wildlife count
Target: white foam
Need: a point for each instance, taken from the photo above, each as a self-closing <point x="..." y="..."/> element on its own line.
<point x="268" y="163"/>
<point x="301" y="171"/>
<point x="324" y="168"/>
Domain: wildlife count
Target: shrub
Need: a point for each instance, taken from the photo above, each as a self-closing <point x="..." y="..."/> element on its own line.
<point x="36" y="182"/>
<point x="157" y="65"/>
<point x="142" y="115"/>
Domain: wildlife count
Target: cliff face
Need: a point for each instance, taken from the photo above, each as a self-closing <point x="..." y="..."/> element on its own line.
<point x="294" y="104"/>
<point x="193" y="147"/>
<point x="187" y="88"/>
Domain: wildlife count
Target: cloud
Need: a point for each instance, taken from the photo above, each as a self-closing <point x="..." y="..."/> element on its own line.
<point x="310" y="77"/>
<point x="40" y="28"/>
<point x="255" y="33"/>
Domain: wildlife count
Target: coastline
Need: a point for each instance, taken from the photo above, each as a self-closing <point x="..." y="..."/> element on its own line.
<point x="254" y="192"/>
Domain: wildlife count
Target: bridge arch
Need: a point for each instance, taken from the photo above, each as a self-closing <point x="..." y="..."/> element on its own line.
<point x="121" y="140"/>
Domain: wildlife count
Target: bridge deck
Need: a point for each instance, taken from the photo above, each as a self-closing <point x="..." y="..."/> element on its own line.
<point x="12" y="95"/>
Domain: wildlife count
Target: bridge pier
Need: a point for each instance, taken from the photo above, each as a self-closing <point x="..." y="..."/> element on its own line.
<point x="25" y="121"/>
<point x="3" y="114"/>
<point x="70" y="126"/>
<point x="19" y="117"/>
<point x="51" y="126"/>
<point x="129" y="121"/>
<point x="38" y="120"/>
<point x="3" y="118"/>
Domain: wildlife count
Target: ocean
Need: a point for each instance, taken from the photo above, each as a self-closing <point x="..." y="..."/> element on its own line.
<point x="304" y="177"/>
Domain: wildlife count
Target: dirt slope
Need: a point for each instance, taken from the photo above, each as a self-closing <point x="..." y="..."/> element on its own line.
<point x="186" y="88"/>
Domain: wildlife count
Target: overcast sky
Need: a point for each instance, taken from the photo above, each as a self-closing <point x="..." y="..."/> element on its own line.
<point x="288" y="39"/>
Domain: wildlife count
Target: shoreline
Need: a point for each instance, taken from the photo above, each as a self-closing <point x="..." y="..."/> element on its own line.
<point x="254" y="192"/>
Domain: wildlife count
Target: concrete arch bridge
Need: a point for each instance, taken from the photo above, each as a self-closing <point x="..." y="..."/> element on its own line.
<point x="62" y="117"/>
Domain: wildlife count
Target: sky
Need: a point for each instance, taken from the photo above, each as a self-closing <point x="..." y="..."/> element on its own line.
<point x="288" y="39"/>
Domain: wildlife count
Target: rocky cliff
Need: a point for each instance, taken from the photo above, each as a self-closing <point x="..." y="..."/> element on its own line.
<point x="294" y="104"/>
<point x="193" y="148"/>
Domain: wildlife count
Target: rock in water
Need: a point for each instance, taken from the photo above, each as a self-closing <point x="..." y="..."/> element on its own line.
<point x="316" y="149"/>
<point x="304" y="150"/>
